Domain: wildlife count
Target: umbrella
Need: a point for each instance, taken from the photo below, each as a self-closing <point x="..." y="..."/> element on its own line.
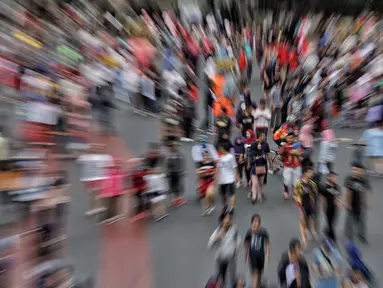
<point x="143" y="50"/>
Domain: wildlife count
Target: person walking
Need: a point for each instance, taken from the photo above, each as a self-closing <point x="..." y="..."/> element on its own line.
<point x="262" y="117"/>
<point x="257" y="250"/>
<point x="226" y="241"/>
<point x="327" y="150"/>
<point x="258" y="163"/>
<point x="293" y="270"/>
<point x="276" y="105"/>
<point x="328" y="264"/>
<point x="249" y="140"/>
<point x="175" y="169"/>
<point x="305" y="194"/>
<point x="356" y="200"/>
<point x="330" y="193"/>
<point x="239" y="150"/>
<point x="228" y="175"/>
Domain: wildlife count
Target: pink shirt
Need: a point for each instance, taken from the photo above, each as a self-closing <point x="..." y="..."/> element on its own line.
<point x="306" y="137"/>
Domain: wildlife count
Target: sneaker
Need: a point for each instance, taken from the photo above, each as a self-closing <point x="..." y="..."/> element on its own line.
<point x="183" y="139"/>
<point x="138" y="217"/>
<point x="211" y="210"/>
<point x="173" y="203"/>
<point x="162" y="217"/>
<point x="181" y="202"/>
<point x="238" y="184"/>
<point x="270" y="171"/>
<point x="205" y="212"/>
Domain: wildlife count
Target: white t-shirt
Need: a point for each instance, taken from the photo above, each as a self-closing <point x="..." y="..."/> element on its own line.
<point x="94" y="166"/>
<point x="226" y="167"/>
<point x="173" y="81"/>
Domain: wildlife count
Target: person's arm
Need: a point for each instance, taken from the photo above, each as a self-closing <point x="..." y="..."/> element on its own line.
<point x="267" y="260"/>
<point x="235" y="167"/>
<point x="267" y="114"/>
<point x="296" y="193"/>
<point x="265" y="77"/>
<point x="247" y="247"/>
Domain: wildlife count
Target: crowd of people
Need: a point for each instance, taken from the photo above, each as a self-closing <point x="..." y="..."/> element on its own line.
<point x="304" y="92"/>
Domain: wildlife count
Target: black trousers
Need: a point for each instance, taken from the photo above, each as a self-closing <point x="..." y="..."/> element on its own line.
<point x="355" y="220"/>
<point x="240" y="169"/>
<point x="331" y="216"/>
<point x="188" y="127"/>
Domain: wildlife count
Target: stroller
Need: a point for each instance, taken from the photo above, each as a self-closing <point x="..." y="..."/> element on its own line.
<point x="357" y="264"/>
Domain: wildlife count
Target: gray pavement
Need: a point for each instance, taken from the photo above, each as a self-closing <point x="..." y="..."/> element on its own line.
<point x="179" y="243"/>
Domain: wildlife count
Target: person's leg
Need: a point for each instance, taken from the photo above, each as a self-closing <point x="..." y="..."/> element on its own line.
<point x="314" y="225"/>
<point x="361" y="226"/>
<point x="297" y="174"/>
<point x="303" y="227"/>
<point x="255" y="280"/>
<point x="287" y="178"/>
<point x="210" y="196"/>
<point x="231" y="188"/>
<point x="330" y="216"/>
<point x="254" y="187"/>
<point x="278" y="117"/>
<point x="232" y="267"/>
<point x="247" y="174"/>
<point x="261" y="180"/>
<point x="223" y="192"/>
<point x="272" y="119"/>
<point x="349" y="231"/>
<point x="222" y="268"/>
<point x="240" y="170"/>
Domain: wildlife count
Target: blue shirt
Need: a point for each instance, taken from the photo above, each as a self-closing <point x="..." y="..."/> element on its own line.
<point x="374" y="141"/>
<point x="321" y="263"/>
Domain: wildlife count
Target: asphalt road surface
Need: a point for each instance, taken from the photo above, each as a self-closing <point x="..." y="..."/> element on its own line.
<point x="173" y="253"/>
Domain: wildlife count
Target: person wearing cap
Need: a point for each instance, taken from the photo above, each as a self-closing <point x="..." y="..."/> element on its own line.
<point x="356" y="200"/>
<point x="328" y="264"/>
<point x="329" y="195"/>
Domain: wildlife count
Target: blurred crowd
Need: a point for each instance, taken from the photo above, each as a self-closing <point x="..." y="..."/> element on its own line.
<point x="67" y="68"/>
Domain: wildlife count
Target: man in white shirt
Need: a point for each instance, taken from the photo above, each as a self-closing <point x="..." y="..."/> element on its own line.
<point x="262" y="118"/>
<point x="228" y="175"/>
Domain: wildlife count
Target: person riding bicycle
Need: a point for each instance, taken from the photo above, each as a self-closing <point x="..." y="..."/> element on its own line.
<point x="285" y="129"/>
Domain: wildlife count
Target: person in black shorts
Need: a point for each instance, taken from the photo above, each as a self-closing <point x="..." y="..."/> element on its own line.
<point x="228" y="175"/>
<point x="257" y="249"/>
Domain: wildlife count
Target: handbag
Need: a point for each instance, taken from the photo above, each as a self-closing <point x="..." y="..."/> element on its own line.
<point x="260" y="170"/>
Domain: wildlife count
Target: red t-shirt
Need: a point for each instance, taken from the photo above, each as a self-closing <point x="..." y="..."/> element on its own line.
<point x="289" y="161"/>
<point x="283" y="55"/>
